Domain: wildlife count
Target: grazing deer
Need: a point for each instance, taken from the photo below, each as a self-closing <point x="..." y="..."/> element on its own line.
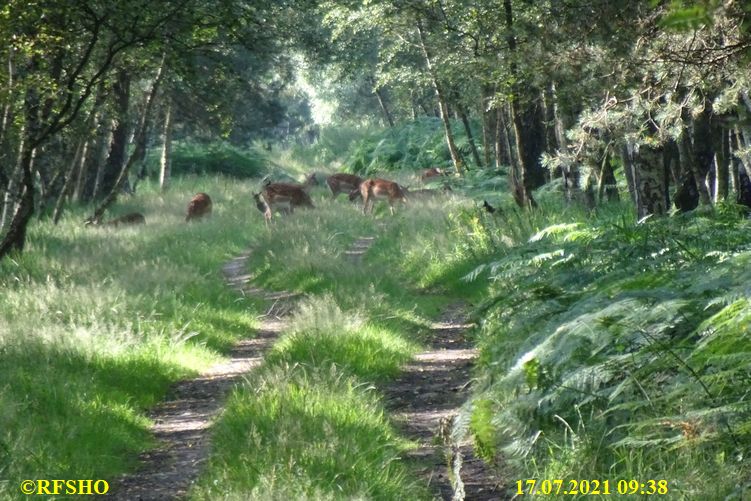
<point x="310" y="181"/>
<point x="428" y="174"/>
<point x="343" y="183"/>
<point x="281" y="196"/>
<point x="127" y="219"/>
<point x="198" y="207"/>
<point x="373" y="189"/>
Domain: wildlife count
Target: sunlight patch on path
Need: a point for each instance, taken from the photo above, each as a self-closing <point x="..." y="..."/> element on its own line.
<point x="425" y="399"/>
<point x="182" y="422"/>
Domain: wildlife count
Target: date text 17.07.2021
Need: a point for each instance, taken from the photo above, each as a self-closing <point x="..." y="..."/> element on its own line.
<point x="594" y="487"/>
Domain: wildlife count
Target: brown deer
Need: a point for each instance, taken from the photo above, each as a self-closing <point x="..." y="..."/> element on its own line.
<point x="426" y="194"/>
<point x="343" y="183"/>
<point x="127" y="219"/>
<point x="373" y="189"/>
<point x="428" y="174"/>
<point x="310" y="181"/>
<point x="198" y="207"/>
<point x="281" y="196"/>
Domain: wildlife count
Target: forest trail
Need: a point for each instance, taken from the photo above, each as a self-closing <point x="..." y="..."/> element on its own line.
<point x="182" y="422"/>
<point x="426" y="397"/>
<point x="423" y="401"/>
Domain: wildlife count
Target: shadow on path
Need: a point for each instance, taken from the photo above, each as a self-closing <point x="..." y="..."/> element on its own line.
<point x="425" y="399"/>
<point x="182" y="421"/>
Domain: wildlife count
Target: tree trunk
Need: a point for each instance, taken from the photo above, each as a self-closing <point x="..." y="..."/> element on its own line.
<point x="649" y="181"/>
<point x="627" y="159"/>
<point x="468" y="130"/>
<point x="551" y="136"/>
<point x="13" y="188"/>
<point x="722" y="163"/>
<point x="15" y="238"/>
<point x="116" y="158"/>
<point x="81" y="170"/>
<point x="384" y="108"/>
<point x="690" y="164"/>
<point x="92" y="182"/>
<point x="523" y="191"/>
<point x="5" y="125"/>
<point x="606" y="184"/>
<point x="123" y="177"/>
<point x="69" y="180"/>
<point x="502" y="142"/>
<point x="523" y="183"/>
<point x="166" y="158"/>
<point x="442" y="104"/>
<point x="488" y="132"/>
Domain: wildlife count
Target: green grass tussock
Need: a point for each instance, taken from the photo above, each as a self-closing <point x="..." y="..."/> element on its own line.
<point x="321" y="334"/>
<point x="301" y="432"/>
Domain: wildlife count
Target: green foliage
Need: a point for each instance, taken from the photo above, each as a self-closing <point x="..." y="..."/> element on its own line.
<point x="189" y="158"/>
<point x="608" y="347"/>
<point x="417" y="144"/>
<point x="333" y="146"/>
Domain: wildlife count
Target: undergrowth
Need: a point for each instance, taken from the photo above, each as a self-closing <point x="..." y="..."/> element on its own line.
<point x="612" y="349"/>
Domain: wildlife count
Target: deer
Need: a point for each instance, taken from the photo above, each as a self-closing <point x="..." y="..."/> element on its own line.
<point x="126" y="219"/>
<point x="428" y="174"/>
<point x="373" y="189"/>
<point x="310" y="181"/>
<point x="428" y="194"/>
<point x="198" y="207"/>
<point x="281" y="196"/>
<point x="343" y="183"/>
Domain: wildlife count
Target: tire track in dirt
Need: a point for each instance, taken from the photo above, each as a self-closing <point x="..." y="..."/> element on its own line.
<point x="427" y="396"/>
<point x="182" y="422"/>
<point x="424" y="400"/>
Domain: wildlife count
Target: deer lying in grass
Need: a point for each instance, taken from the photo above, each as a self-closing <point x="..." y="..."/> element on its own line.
<point x="428" y="174"/>
<point x="343" y="183"/>
<point x="198" y="207"/>
<point x="284" y="197"/>
<point x="373" y="189"/>
<point x="426" y="194"/>
<point x="126" y="219"/>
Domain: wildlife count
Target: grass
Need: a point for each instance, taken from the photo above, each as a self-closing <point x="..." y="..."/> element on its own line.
<point x="310" y="423"/>
<point x="306" y="432"/>
<point x="96" y="323"/>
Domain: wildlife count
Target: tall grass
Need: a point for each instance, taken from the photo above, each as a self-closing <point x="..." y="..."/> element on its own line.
<point x="97" y="322"/>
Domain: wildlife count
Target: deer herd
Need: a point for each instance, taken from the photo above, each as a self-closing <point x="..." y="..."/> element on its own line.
<point x="286" y="197"/>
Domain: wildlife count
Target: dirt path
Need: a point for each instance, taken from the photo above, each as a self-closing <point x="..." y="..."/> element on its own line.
<point x="425" y="399"/>
<point x="182" y="422"/>
<point x="427" y="396"/>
